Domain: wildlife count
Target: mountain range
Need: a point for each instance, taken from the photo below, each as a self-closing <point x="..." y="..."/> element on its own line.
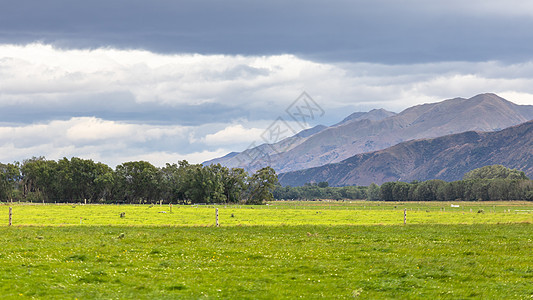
<point x="367" y="132"/>
<point x="447" y="158"/>
<point x="273" y="154"/>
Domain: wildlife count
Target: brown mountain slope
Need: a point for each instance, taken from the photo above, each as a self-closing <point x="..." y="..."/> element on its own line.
<point x="379" y="129"/>
<point x="446" y="158"/>
<point x="486" y="112"/>
<point x="263" y="155"/>
<point x="365" y="133"/>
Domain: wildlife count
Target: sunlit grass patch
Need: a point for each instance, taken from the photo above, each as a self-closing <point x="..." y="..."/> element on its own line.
<point x="276" y="213"/>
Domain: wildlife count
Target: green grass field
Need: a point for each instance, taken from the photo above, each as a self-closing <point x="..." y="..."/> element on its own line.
<point x="274" y="214"/>
<point x="283" y="250"/>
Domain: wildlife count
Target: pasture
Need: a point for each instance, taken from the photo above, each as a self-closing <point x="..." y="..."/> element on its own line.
<point x="283" y="250"/>
<point x="274" y="214"/>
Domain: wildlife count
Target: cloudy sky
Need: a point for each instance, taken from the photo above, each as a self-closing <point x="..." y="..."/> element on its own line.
<point x="166" y="80"/>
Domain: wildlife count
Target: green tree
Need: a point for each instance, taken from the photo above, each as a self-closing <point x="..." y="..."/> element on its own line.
<point x="374" y="192"/>
<point x="104" y="183"/>
<point x="214" y="178"/>
<point x="40" y="179"/>
<point x="261" y="185"/>
<point x="427" y="190"/>
<point x="234" y="183"/>
<point x="206" y="184"/>
<point x="480" y="190"/>
<point x="10" y="178"/>
<point x="194" y="184"/>
<point x="495" y="172"/>
<point x="353" y="192"/>
<point x="138" y="181"/>
<point x="400" y="191"/>
<point x="323" y="184"/>
<point x="386" y="191"/>
<point x="83" y="179"/>
<point x="175" y="181"/>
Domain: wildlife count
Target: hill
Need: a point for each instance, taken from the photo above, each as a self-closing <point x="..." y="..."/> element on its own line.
<point x="446" y="158"/>
<point x="380" y="129"/>
<point x="271" y="151"/>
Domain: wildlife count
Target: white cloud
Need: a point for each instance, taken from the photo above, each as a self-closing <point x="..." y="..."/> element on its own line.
<point x="150" y="77"/>
<point x="91" y="129"/>
<point x="38" y="72"/>
<point x="518" y="98"/>
<point x="254" y="89"/>
<point x="88" y="137"/>
<point x="233" y="134"/>
<point x="88" y="129"/>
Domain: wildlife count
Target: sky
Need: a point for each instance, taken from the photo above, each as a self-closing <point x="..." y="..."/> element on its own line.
<point x="166" y="80"/>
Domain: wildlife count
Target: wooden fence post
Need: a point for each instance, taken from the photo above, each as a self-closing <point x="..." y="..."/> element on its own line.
<point x="217" y="216"/>
<point x="170" y="207"/>
<point x="10" y="216"/>
<point x="404" y="216"/>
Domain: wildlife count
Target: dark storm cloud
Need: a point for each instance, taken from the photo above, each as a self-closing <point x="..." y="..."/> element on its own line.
<point x="373" y="31"/>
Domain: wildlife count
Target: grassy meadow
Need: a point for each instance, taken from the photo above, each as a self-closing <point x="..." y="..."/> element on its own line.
<point x="274" y="214"/>
<point x="283" y="250"/>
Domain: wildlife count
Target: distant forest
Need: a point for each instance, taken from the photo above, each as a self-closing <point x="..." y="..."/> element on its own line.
<point x="80" y="180"/>
<point x="490" y="183"/>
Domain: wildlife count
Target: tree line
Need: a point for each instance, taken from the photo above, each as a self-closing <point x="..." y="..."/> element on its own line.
<point x="80" y="180"/>
<point x="321" y="190"/>
<point x="490" y="183"/>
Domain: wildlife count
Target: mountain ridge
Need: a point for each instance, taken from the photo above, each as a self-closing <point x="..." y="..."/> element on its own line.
<point x="360" y="133"/>
<point x="373" y="115"/>
<point x="270" y="150"/>
<point x="446" y="158"/>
